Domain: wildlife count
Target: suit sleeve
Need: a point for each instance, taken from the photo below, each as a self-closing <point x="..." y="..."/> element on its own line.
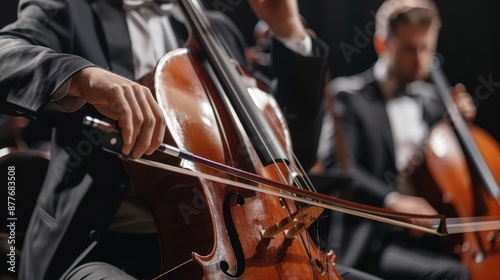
<point x="365" y="187"/>
<point x="298" y="87"/>
<point x="299" y="91"/>
<point x="33" y="66"/>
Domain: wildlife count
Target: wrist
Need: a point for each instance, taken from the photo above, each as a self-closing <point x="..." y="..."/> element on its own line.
<point x="290" y="32"/>
<point x="77" y="80"/>
<point x="303" y="47"/>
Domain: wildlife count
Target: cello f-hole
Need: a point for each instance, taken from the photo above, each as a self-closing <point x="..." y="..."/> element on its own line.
<point x="319" y="266"/>
<point x="233" y="237"/>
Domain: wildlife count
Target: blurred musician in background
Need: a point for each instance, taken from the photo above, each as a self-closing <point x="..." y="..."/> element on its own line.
<point x="385" y="113"/>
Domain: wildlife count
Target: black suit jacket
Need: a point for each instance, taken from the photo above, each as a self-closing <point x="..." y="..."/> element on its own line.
<point x="362" y="110"/>
<point x="53" y="39"/>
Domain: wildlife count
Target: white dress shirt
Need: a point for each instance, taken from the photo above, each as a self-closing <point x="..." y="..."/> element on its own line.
<point x="406" y="119"/>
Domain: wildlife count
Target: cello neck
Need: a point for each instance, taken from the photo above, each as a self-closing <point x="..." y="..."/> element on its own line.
<point x="223" y="67"/>
<point x="461" y="128"/>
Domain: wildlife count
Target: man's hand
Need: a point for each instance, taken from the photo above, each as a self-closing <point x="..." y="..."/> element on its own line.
<point x="464" y="102"/>
<point x="141" y="119"/>
<point x="412" y="205"/>
<point x="282" y="16"/>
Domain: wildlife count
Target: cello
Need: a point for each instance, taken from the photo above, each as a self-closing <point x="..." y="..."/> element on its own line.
<point x="209" y="230"/>
<point x="460" y="177"/>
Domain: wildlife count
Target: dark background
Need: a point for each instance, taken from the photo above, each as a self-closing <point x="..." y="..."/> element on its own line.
<point x="468" y="41"/>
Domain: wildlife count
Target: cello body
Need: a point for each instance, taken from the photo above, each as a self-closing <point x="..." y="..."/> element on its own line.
<point x="210" y="230"/>
<point x="453" y="188"/>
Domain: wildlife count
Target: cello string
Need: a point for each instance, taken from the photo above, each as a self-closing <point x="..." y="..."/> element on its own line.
<point x="223" y="43"/>
<point x="295" y="162"/>
<point x="299" y="181"/>
<point x="257" y="129"/>
<point x="208" y="28"/>
<point x="229" y="72"/>
<point x="303" y="181"/>
<point x="319" y="227"/>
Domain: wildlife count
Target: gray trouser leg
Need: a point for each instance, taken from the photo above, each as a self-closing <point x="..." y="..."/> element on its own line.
<point x="98" y="271"/>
